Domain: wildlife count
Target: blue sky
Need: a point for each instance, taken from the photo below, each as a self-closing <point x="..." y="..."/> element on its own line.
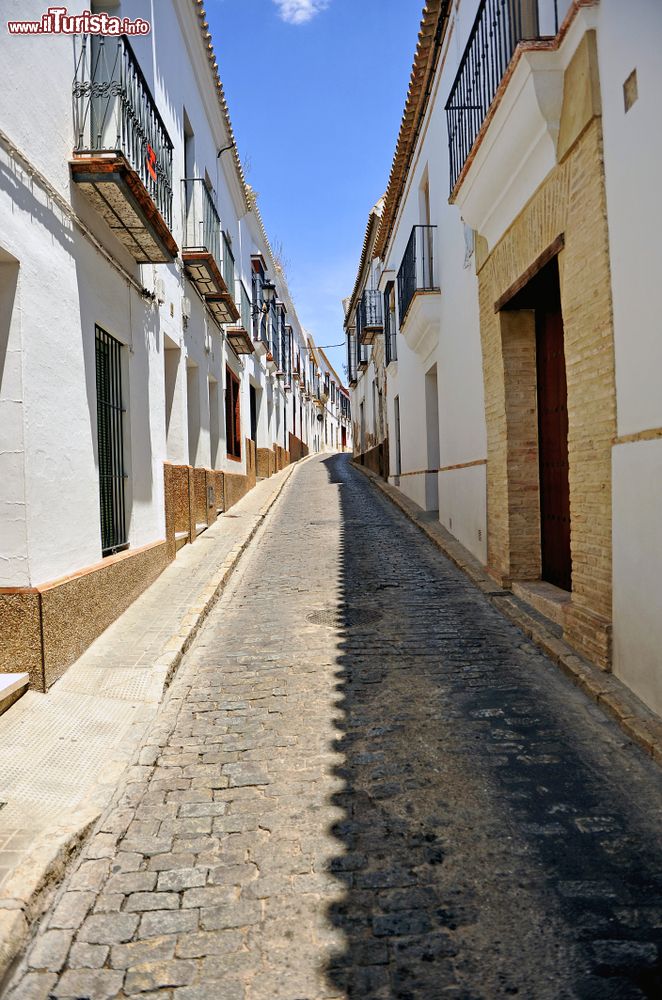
<point x="316" y="90"/>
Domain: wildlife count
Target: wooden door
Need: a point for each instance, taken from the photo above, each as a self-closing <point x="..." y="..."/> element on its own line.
<point x="553" y="445"/>
<point x="253" y="407"/>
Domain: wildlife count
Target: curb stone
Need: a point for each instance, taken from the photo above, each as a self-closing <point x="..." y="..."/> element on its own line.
<point x="638" y="723"/>
<point x="30" y="889"/>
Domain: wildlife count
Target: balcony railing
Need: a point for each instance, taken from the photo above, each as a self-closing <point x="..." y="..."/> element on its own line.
<point x="227" y="269"/>
<point x="418" y="270"/>
<point x="289" y="361"/>
<point x="244" y="305"/>
<point x="202" y="225"/>
<point x="114" y="111"/>
<point x="283" y="341"/>
<point x="260" y="318"/>
<point x="499" y="27"/>
<point x="390" y="342"/>
<point x="274" y="334"/>
<point x="371" y="310"/>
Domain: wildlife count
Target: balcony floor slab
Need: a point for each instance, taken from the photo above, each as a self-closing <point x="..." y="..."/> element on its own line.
<point x="120" y="197"/>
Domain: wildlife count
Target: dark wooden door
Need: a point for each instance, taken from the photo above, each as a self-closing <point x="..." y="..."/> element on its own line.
<point x="553" y="445"/>
<point x="253" y="406"/>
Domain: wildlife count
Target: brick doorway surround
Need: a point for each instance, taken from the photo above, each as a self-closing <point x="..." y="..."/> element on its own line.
<point x="566" y="218"/>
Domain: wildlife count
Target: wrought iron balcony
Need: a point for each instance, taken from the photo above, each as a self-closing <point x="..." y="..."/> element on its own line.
<point x="122" y="157"/>
<point x="201" y="242"/>
<point x="222" y="304"/>
<point x="259" y="314"/>
<point x="351" y="356"/>
<point x="288" y="355"/>
<point x="390" y="332"/>
<point x="418" y="270"/>
<point x="273" y="357"/>
<point x="244" y="303"/>
<point x="361" y="349"/>
<point x="499" y="27"/>
<point x="228" y="262"/>
<point x="370" y="307"/>
<point x="239" y="336"/>
<point x="284" y="345"/>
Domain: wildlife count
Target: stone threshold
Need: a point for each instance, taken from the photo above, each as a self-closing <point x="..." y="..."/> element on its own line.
<point x="549" y="600"/>
<point x="638" y="723"/>
<point x="30" y="888"/>
<point x="12" y="686"/>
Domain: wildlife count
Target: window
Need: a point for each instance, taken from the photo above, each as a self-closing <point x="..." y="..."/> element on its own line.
<point x="110" y="436"/>
<point x="232" y="415"/>
<point x="390" y="343"/>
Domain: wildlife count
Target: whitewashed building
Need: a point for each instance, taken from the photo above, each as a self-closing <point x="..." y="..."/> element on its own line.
<point x="367" y="315"/>
<point x="334" y="427"/>
<point x="148" y="343"/>
<point x="516" y="256"/>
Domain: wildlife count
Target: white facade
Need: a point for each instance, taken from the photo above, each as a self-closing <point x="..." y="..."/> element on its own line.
<point x="434" y="379"/>
<point x="626" y="38"/>
<point x="63" y="273"/>
<point x="330" y="406"/>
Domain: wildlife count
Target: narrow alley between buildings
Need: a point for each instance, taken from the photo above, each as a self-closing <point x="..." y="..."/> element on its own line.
<point x="364" y="783"/>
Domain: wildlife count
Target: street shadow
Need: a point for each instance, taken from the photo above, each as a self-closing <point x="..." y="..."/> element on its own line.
<point x="555" y="889"/>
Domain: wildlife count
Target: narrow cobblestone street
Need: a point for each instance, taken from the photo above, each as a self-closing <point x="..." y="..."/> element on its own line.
<point x="364" y="783"/>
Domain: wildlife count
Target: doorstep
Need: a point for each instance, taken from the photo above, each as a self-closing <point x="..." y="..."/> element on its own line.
<point x="637" y="721"/>
<point x="549" y="600"/>
<point x="12" y="686"/>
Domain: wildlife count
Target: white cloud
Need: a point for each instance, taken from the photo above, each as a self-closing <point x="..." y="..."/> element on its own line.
<point x="300" y="11"/>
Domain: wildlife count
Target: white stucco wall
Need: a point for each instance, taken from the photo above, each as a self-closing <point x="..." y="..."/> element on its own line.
<point x="628" y="39"/>
<point x="55" y="287"/>
<point x="637" y="546"/>
<point x="456" y="354"/>
<point x="14" y="565"/>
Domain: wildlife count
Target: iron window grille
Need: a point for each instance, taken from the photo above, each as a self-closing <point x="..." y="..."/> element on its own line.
<point x="232" y="414"/>
<point x="499" y="27"/>
<point x="351" y="355"/>
<point x="390" y="343"/>
<point x="110" y="442"/>
<point x="114" y="111"/>
<point x="418" y="268"/>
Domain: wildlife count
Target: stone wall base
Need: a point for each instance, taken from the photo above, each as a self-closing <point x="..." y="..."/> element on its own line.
<point x="590" y="634"/>
<point x="376" y="459"/>
<point x="298" y="449"/>
<point x="43" y="630"/>
<point x="282" y="458"/>
<point x="266" y="462"/>
<point x="193" y="498"/>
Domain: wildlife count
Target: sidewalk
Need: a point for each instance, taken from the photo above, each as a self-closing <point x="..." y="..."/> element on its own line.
<point x="63" y="753"/>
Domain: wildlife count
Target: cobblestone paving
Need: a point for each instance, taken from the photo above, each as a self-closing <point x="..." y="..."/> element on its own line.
<point x="405" y="800"/>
